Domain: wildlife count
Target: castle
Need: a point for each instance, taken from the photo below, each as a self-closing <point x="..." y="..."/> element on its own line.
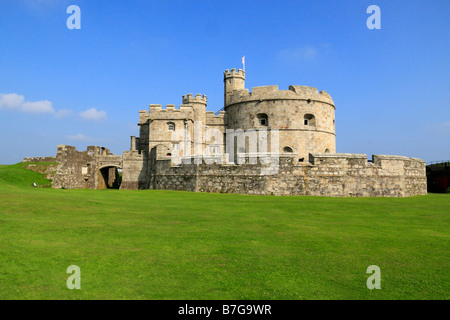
<point x="264" y="141"/>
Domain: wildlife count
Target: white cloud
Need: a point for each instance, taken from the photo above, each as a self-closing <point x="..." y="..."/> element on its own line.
<point x="17" y="102"/>
<point x="44" y="106"/>
<point x="11" y="100"/>
<point x="78" y="137"/>
<point x="63" y="113"/>
<point x="297" y="55"/>
<point x="93" y="114"/>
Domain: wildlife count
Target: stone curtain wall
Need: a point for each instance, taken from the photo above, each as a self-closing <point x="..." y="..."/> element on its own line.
<point x="338" y="175"/>
<point x="244" y="179"/>
<point x="81" y="169"/>
<point x="69" y="173"/>
<point x="135" y="172"/>
<point x="39" y="159"/>
<point x="352" y="175"/>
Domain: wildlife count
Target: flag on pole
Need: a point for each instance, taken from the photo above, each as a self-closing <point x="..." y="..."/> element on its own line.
<point x="243" y="62"/>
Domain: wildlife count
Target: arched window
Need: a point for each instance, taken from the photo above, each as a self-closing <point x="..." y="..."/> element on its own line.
<point x="309" y="120"/>
<point x="171" y="126"/>
<point x="327" y="150"/>
<point x="288" y="149"/>
<point x="262" y="119"/>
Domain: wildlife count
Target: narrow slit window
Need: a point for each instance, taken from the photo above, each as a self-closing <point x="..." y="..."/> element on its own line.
<point x="310" y="120"/>
<point x="262" y="119"/>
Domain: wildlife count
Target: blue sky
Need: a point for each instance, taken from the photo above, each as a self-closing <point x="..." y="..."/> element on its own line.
<point x="85" y="87"/>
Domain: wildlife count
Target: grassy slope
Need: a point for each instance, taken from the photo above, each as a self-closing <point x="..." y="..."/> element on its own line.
<point x="181" y="245"/>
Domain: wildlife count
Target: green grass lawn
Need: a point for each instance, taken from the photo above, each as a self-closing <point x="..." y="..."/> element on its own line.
<point x="180" y="245"/>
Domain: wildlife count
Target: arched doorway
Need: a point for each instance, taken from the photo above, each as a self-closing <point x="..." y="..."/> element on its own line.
<point x="109" y="177"/>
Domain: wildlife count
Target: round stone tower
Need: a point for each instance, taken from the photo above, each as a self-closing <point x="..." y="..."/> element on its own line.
<point x="233" y="81"/>
<point x="303" y="117"/>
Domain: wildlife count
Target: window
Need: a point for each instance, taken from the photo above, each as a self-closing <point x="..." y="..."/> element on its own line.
<point x="214" y="149"/>
<point x="288" y="149"/>
<point x="171" y="126"/>
<point x="327" y="150"/>
<point x="262" y="119"/>
<point x="310" y="120"/>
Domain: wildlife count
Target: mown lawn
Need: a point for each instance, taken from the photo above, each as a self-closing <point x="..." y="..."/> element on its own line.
<point x="181" y="245"/>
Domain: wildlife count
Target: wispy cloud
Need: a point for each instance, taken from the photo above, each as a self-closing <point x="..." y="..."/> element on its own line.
<point x="297" y="55"/>
<point x="63" y="113"/>
<point x="78" y="137"/>
<point x="16" y="101"/>
<point x="93" y="114"/>
<point x="11" y="100"/>
<point x="44" y="106"/>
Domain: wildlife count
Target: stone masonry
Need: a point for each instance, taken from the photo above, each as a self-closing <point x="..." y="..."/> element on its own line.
<point x="265" y="141"/>
<point x="337" y="175"/>
<point x="95" y="168"/>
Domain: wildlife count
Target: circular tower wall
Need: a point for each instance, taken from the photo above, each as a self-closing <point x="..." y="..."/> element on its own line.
<point x="303" y="117"/>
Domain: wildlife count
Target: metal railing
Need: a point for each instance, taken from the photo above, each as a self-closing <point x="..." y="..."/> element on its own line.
<point x="443" y="162"/>
<point x="218" y="112"/>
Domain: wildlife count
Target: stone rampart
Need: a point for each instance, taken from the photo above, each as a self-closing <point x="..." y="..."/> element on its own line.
<point x="39" y="159"/>
<point x="338" y="175"/>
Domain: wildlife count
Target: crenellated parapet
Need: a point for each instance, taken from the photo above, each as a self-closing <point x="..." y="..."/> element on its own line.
<point x="154" y="108"/>
<point x="213" y="119"/>
<point x="170" y="111"/>
<point x="300" y="93"/>
<point x="358" y="164"/>
<point x="266" y="141"/>
<point x="335" y="175"/>
<point x="198" y="98"/>
<point x="143" y="116"/>
<point x="234" y="74"/>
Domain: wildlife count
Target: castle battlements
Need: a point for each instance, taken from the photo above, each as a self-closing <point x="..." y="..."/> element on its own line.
<point x="233" y="73"/>
<point x="157" y="111"/>
<point x="168" y="108"/>
<point x="189" y="98"/>
<point x="213" y="114"/>
<point x="216" y="120"/>
<point x="293" y="131"/>
<point x="272" y="92"/>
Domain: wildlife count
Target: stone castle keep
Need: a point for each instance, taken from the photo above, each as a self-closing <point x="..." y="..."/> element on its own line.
<point x="264" y="141"/>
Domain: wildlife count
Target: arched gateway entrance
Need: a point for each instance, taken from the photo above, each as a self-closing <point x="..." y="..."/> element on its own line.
<point x="109" y="177"/>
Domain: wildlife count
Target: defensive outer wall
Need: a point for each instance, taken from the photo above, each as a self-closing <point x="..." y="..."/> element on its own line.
<point x="95" y="168"/>
<point x="305" y="159"/>
<point x="336" y="175"/>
